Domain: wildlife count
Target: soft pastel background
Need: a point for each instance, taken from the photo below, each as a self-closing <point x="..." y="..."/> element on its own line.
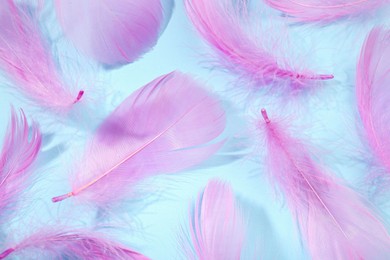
<point x="151" y="224"/>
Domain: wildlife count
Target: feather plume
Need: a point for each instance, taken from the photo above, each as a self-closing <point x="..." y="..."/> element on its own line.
<point x="113" y="34"/>
<point x="220" y="24"/>
<point x="56" y="243"/>
<point x="217" y="229"/>
<point x="324" y="11"/>
<point x="335" y="222"/>
<point x="163" y="127"/>
<point x="373" y="97"/>
<point x="26" y="60"/>
<point x="18" y="154"/>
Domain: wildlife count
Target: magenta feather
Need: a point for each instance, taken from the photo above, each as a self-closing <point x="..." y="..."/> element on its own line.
<point x="335" y="222"/>
<point x="220" y="24"/>
<point x="113" y="34"/>
<point x="324" y="11"/>
<point x="18" y="154"/>
<point x="26" y="60"/>
<point x="163" y="127"/>
<point x="217" y="228"/>
<point x="373" y="96"/>
<point x="71" y="244"/>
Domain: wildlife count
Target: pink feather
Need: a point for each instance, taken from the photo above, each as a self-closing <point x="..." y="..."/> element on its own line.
<point x="26" y="60"/>
<point x="113" y="34"/>
<point x="163" y="127"/>
<point x="220" y="24"/>
<point x="18" y="154"/>
<point x="217" y="228"/>
<point x="72" y="244"/>
<point x="324" y="11"/>
<point x="335" y="222"/>
<point x="373" y="96"/>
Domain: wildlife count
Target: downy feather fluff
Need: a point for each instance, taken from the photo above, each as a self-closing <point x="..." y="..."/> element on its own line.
<point x="113" y="34"/>
<point x="334" y="221"/>
<point x="56" y="243"/>
<point x="372" y="91"/>
<point x="26" y="61"/>
<point x="18" y="154"/>
<point x="220" y="23"/>
<point x="217" y="228"/>
<point x="163" y="127"/>
<point x="324" y="11"/>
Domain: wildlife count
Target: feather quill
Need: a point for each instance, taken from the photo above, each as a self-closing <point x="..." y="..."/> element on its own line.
<point x="18" y="154"/>
<point x="163" y="127"/>
<point x="113" y="34"/>
<point x="324" y="11"/>
<point x="335" y="222"/>
<point x="373" y="97"/>
<point x="70" y="244"/>
<point x="26" y="60"/>
<point x="220" y="24"/>
<point x="217" y="228"/>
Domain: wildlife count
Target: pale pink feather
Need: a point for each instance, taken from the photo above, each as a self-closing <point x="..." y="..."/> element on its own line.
<point x="220" y="24"/>
<point x="217" y="228"/>
<point x="372" y="91"/>
<point x="334" y="220"/>
<point x="163" y="127"/>
<point x="325" y="11"/>
<point x="18" y="154"/>
<point x="113" y="34"/>
<point x="26" y="59"/>
<point x="56" y="243"/>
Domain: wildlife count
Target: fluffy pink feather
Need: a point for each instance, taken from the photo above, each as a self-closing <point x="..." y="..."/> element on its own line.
<point x="217" y="228"/>
<point x="335" y="222"/>
<point x="18" y="154"/>
<point x="26" y="60"/>
<point x="163" y="127"/>
<point x="373" y="96"/>
<point x="324" y="11"/>
<point x="56" y="243"/>
<point x="113" y="34"/>
<point x="220" y="24"/>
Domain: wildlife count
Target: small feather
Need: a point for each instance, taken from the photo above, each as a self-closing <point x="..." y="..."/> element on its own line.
<point x="26" y="60"/>
<point x="324" y="11"/>
<point x="18" y="154"/>
<point x="220" y="24"/>
<point x="163" y="127"/>
<point x="56" y="243"/>
<point x="334" y="220"/>
<point x="217" y="228"/>
<point x="113" y="34"/>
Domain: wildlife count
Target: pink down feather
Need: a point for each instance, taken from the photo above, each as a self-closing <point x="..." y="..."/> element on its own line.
<point x="372" y="92"/>
<point x="56" y="243"/>
<point x="26" y="60"/>
<point x="163" y="127"/>
<point x="217" y="228"/>
<point x="113" y="34"/>
<point x="334" y="220"/>
<point x="220" y="24"/>
<point x="18" y="154"/>
<point x="324" y="11"/>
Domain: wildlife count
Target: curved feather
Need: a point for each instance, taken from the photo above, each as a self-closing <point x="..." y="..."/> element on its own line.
<point x="18" y="154"/>
<point x="335" y="222"/>
<point x="220" y="24"/>
<point x="324" y="11"/>
<point x="71" y="244"/>
<point x="26" y="60"/>
<point x="217" y="229"/>
<point x="113" y="34"/>
<point x="163" y="127"/>
<point x="373" y="97"/>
